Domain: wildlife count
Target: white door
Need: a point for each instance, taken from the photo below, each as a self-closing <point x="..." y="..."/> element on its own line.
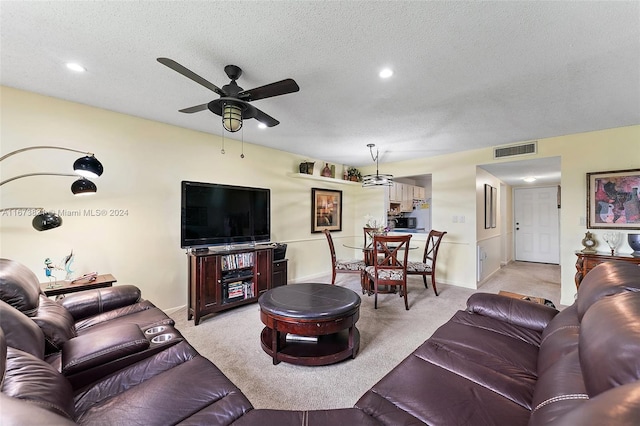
<point x="537" y="224"/>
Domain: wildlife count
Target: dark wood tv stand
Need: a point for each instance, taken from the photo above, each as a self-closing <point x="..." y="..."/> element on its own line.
<point x="224" y="279"/>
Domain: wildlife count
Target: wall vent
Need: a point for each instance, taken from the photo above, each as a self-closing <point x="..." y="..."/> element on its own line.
<point x="514" y="150"/>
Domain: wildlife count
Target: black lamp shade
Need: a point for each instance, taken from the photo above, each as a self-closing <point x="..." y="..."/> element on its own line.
<point x="88" y="166"/>
<point x="83" y="186"/>
<point x="45" y="221"/>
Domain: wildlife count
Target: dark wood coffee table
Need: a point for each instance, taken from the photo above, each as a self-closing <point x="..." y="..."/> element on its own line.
<point x="311" y="310"/>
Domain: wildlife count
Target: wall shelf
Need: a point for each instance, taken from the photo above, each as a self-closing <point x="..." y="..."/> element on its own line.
<point x="323" y="179"/>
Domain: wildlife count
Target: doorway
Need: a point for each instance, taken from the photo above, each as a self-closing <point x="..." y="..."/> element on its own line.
<point x="537" y="224"/>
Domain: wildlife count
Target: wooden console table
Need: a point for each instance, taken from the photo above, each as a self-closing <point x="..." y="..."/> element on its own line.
<point x="101" y="281"/>
<point x="588" y="261"/>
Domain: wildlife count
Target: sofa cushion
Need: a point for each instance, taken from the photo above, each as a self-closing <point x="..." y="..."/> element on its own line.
<point x="609" y="358"/>
<point x="19" y="286"/>
<point x="86" y="304"/>
<point x="559" y="338"/>
<point x="343" y="416"/>
<point x="509" y="310"/>
<point x="56" y="324"/>
<point x="168" y="388"/>
<point x="419" y="392"/>
<point x="604" y="280"/>
<point x="17" y="412"/>
<point x="619" y="406"/>
<point x="496" y="361"/>
<point x="33" y="380"/>
<point x="560" y="389"/>
<point x="143" y="314"/>
<point x="20" y="331"/>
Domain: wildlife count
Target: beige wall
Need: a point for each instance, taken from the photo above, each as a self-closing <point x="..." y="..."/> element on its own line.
<point x="145" y="161"/>
<point x="457" y="188"/>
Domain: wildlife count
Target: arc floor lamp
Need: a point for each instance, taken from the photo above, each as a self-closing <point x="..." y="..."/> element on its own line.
<point x="84" y="167"/>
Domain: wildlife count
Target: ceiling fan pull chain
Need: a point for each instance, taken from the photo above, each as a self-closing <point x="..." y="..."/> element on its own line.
<point x="222" y="150"/>
<point x="242" y="138"/>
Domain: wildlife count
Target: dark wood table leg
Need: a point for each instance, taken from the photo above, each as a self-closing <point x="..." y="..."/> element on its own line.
<point x="352" y="342"/>
<point x="275" y="341"/>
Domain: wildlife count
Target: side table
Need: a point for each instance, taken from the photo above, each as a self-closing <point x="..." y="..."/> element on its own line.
<point x="321" y="319"/>
<point x="105" y="280"/>
<point x="588" y="261"/>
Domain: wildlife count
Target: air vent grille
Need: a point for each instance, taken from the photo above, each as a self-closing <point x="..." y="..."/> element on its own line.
<point x="513" y="150"/>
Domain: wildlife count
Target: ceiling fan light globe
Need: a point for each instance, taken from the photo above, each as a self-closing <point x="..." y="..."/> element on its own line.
<point x="232" y="118"/>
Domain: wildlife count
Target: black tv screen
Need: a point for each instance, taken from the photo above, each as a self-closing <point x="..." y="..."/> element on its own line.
<point x="215" y="214"/>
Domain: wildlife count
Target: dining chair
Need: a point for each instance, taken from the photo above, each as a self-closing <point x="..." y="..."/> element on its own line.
<point x="368" y="244"/>
<point x="390" y="269"/>
<point x="351" y="266"/>
<point x="428" y="264"/>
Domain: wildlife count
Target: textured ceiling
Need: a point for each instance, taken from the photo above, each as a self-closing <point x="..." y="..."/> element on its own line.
<point x="467" y="74"/>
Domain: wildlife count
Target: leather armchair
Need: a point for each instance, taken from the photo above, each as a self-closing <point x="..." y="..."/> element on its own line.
<point x="80" y="313"/>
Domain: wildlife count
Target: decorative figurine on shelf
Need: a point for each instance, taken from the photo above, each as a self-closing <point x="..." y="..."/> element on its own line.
<point x="326" y="171"/>
<point x="49" y="268"/>
<point x="589" y="243"/>
<point x="67" y="265"/>
<point x="612" y="239"/>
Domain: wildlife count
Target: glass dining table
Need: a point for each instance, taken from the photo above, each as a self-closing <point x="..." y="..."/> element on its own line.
<point x="368" y="251"/>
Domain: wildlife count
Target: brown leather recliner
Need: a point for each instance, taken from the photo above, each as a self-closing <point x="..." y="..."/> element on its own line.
<point x="117" y="374"/>
<point x="509" y="361"/>
<point x="78" y="313"/>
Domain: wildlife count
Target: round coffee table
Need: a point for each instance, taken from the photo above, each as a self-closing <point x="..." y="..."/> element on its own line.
<point x="310" y="324"/>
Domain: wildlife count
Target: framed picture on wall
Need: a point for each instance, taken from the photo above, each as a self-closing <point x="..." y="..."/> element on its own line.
<point x="494" y="206"/>
<point x="487" y="206"/>
<point x="612" y="199"/>
<point x="326" y="210"/>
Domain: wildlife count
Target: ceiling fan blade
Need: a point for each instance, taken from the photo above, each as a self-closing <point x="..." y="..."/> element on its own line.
<point x="264" y="118"/>
<point x="193" y="109"/>
<point x="190" y="75"/>
<point x="274" y="89"/>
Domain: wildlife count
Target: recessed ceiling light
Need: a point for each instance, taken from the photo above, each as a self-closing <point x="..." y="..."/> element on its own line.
<point x="529" y="179"/>
<point x="262" y="126"/>
<point x="386" y="73"/>
<point x="73" y="66"/>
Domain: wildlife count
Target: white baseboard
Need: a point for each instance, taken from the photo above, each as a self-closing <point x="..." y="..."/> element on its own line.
<point x="170" y="311"/>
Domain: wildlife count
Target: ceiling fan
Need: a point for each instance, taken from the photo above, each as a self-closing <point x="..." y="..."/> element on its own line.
<point x="233" y="105"/>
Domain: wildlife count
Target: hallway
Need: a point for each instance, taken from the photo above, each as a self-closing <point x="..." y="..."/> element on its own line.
<point x="528" y="278"/>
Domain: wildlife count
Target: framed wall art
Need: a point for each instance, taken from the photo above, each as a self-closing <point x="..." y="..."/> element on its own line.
<point x="612" y="199"/>
<point x="494" y="206"/>
<point x="488" y="206"/>
<point x="326" y="210"/>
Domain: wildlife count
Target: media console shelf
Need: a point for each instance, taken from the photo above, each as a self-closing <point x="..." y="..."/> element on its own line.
<point x="225" y="279"/>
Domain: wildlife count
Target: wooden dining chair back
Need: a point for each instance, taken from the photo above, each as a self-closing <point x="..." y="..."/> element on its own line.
<point x="352" y="266"/>
<point x="390" y="268"/>
<point x="368" y="244"/>
<point x="368" y="236"/>
<point x="428" y="265"/>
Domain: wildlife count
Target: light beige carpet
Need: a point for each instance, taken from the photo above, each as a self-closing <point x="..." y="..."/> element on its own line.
<point x="387" y="335"/>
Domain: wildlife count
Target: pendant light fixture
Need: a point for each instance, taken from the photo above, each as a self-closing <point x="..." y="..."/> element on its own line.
<point x="377" y="179"/>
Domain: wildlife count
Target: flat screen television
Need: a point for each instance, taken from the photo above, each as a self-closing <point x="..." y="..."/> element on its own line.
<point x="215" y="214"/>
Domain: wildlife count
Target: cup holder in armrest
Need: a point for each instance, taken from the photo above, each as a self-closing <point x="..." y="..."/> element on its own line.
<point x="162" y="338"/>
<point x="155" y="330"/>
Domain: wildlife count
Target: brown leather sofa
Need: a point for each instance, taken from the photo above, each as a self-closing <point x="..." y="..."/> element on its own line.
<point x="501" y="361"/>
<point x="103" y="356"/>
